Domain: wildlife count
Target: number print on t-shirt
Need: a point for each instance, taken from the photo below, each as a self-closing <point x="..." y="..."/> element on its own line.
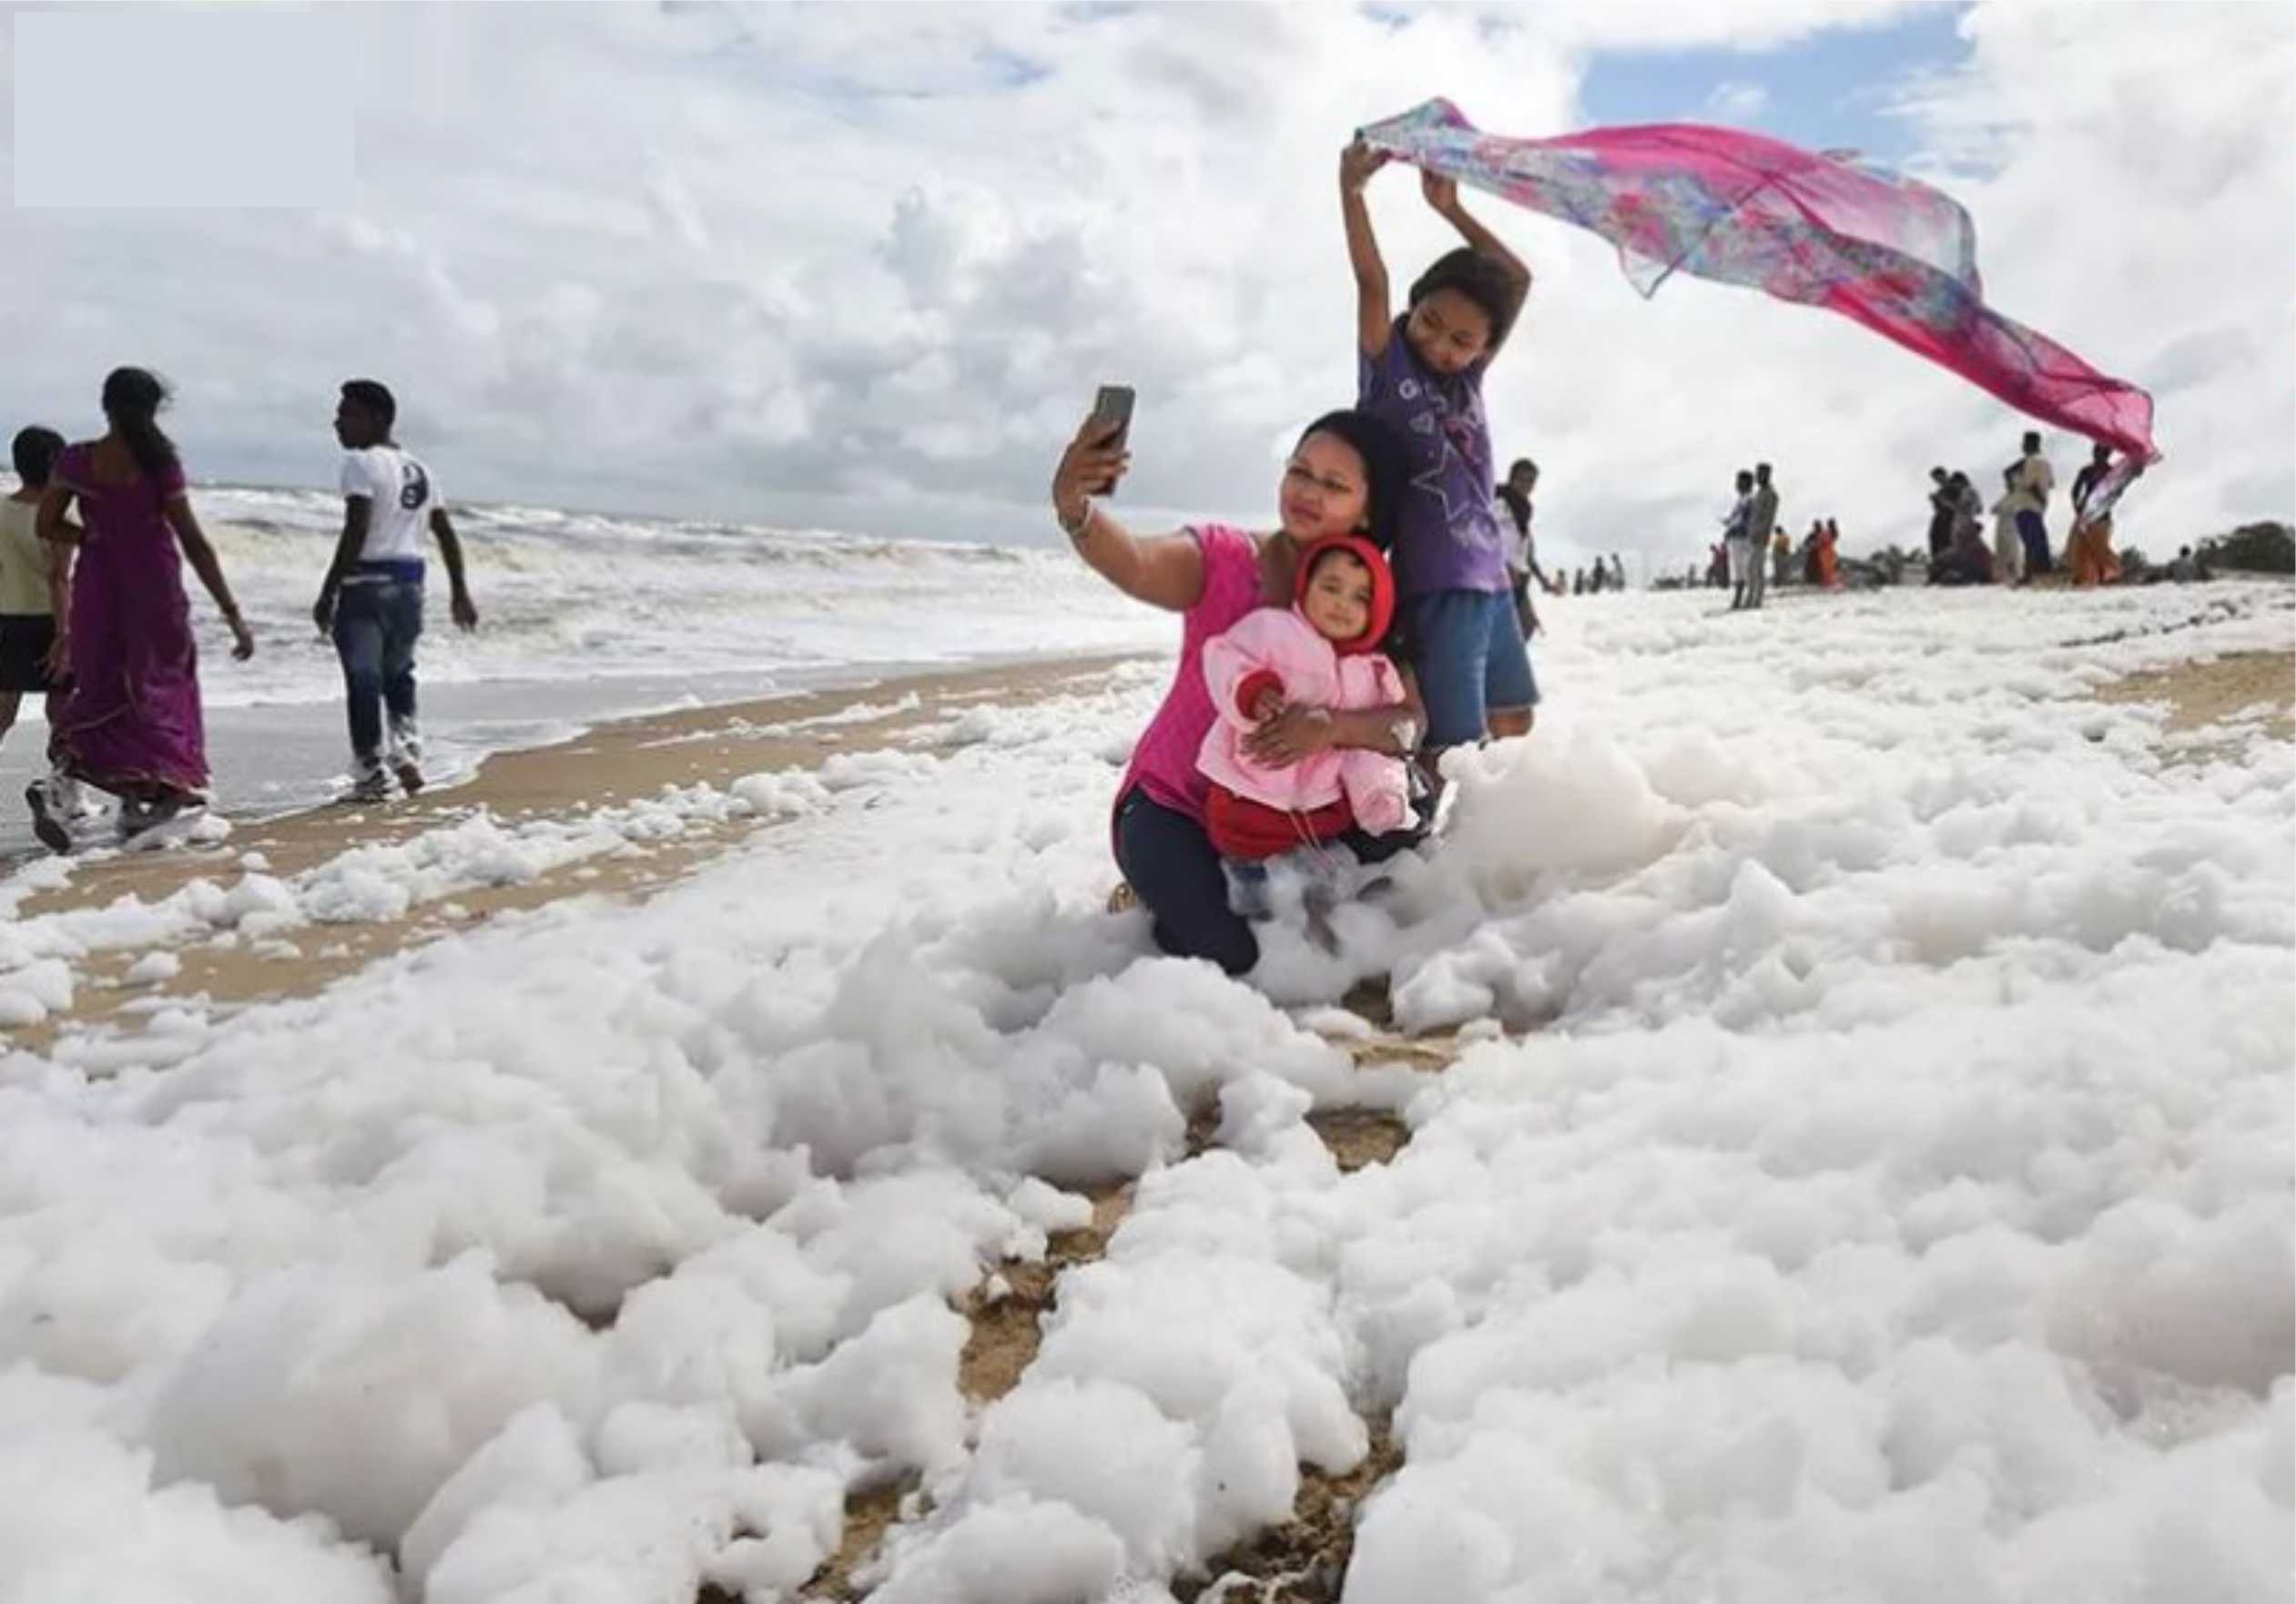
<point x="414" y="484"/>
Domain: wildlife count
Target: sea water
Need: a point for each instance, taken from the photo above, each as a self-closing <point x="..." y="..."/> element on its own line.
<point x="587" y="615"/>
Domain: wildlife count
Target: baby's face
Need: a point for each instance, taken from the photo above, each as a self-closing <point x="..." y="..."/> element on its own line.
<point x="1338" y="599"/>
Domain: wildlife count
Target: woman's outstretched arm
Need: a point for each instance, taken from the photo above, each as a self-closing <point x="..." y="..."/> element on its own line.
<point x="1164" y="570"/>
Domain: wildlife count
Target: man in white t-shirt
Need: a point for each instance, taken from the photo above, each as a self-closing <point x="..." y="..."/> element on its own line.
<point x="2030" y="482"/>
<point x="372" y="603"/>
<point x="1513" y="507"/>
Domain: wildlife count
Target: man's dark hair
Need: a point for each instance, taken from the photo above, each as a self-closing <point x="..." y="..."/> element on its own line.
<point x="373" y="398"/>
<point x="1481" y="278"/>
<point x="1745" y="479"/>
<point x="36" y="450"/>
<point x="1518" y="464"/>
<point x="2032" y="440"/>
<point x="1762" y="470"/>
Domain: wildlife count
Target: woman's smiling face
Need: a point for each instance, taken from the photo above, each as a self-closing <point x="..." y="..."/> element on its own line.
<point x="1324" y="491"/>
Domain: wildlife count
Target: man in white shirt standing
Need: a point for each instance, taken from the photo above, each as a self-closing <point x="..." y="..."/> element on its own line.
<point x="2029" y="485"/>
<point x="1515" y="512"/>
<point x="1735" y="525"/>
<point x="372" y="603"/>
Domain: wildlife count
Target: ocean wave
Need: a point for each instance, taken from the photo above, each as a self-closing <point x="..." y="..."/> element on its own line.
<point x="569" y="594"/>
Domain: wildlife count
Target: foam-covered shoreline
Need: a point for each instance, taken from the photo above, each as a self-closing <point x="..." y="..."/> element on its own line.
<point x="1860" y="1152"/>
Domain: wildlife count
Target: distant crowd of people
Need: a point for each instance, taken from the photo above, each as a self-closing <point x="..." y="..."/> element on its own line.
<point x="1752" y="530"/>
<point x="94" y="615"/>
<point x="1756" y="555"/>
<point x="2020" y="551"/>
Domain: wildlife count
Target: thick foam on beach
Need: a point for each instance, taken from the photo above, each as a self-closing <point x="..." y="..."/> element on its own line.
<point x="1863" y="1156"/>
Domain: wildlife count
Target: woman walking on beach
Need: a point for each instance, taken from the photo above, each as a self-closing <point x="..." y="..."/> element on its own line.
<point x="1345" y="477"/>
<point x="131" y="723"/>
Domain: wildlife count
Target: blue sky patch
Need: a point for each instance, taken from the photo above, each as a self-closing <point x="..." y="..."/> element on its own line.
<point x="1828" y="91"/>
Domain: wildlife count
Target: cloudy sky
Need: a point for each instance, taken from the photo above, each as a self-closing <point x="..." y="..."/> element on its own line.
<point x="861" y="267"/>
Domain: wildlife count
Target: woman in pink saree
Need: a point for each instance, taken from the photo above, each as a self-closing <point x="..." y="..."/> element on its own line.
<point x="131" y="723"/>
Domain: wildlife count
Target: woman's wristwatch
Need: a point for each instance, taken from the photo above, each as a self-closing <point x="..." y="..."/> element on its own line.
<point x="1403" y="730"/>
<point x="1074" y="528"/>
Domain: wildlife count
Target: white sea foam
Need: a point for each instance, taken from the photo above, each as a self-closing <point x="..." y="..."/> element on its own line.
<point x="1882" y="1175"/>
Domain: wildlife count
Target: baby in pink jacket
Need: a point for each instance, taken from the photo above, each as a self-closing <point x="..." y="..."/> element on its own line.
<point x="1321" y="652"/>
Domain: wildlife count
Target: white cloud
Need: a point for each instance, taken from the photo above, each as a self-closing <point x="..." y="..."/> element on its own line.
<point x="863" y="266"/>
<point x="1737" y="101"/>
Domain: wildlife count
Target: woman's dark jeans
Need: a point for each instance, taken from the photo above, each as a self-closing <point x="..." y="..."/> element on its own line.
<point x="1170" y="864"/>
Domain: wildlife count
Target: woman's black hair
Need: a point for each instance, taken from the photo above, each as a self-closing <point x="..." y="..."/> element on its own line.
<point x="132" y="400"/>
<point x="1386" y="472"/>
<point x="36" y="450"/>
<point x="1481" y="278"/>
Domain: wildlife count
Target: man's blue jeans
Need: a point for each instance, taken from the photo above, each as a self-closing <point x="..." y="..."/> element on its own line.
<point x="377" y="623"/>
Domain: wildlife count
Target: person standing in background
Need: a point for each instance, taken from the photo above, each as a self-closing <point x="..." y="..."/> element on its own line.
<point x="131" y="723"/>
<point x="34" y="593"/>
<point x="2089" y="553"/>
<point x="2009" y="552"/>
<point x="2032" y="481"/>
<point x="372" y="601"/>
<point x="1736" y="524"/>
<point x="1942" y="505"/>
<point x="1762" y="522"/>
<point x="1523" y="557"/>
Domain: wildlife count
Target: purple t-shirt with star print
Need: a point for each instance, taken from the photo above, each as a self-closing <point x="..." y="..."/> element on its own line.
<point x="1447" y="538"/>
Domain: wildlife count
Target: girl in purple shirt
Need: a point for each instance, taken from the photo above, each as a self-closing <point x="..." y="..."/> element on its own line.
<point x="1422" y="374"/>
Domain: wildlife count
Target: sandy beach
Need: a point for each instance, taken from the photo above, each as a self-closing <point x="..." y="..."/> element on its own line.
<point x="613" y="762"/>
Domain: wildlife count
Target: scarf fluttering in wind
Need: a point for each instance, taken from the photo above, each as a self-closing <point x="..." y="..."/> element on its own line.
<point x="1883" y="250"/>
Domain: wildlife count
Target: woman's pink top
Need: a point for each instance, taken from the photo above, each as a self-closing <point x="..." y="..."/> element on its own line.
<point x="1164" y="762"/>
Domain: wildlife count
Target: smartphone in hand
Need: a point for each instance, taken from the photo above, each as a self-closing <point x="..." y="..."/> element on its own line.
<point x="1112" y="411"/>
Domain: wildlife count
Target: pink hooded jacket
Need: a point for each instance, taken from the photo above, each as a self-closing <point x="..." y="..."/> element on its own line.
<point x="1279" y="643"/>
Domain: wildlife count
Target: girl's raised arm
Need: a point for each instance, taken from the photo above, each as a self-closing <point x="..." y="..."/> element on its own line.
<point x="1374" y="324"/>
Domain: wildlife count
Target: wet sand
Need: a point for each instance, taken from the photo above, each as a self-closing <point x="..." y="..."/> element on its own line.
<point x="613" y="762"/>
<point x="2241" y="685"/>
